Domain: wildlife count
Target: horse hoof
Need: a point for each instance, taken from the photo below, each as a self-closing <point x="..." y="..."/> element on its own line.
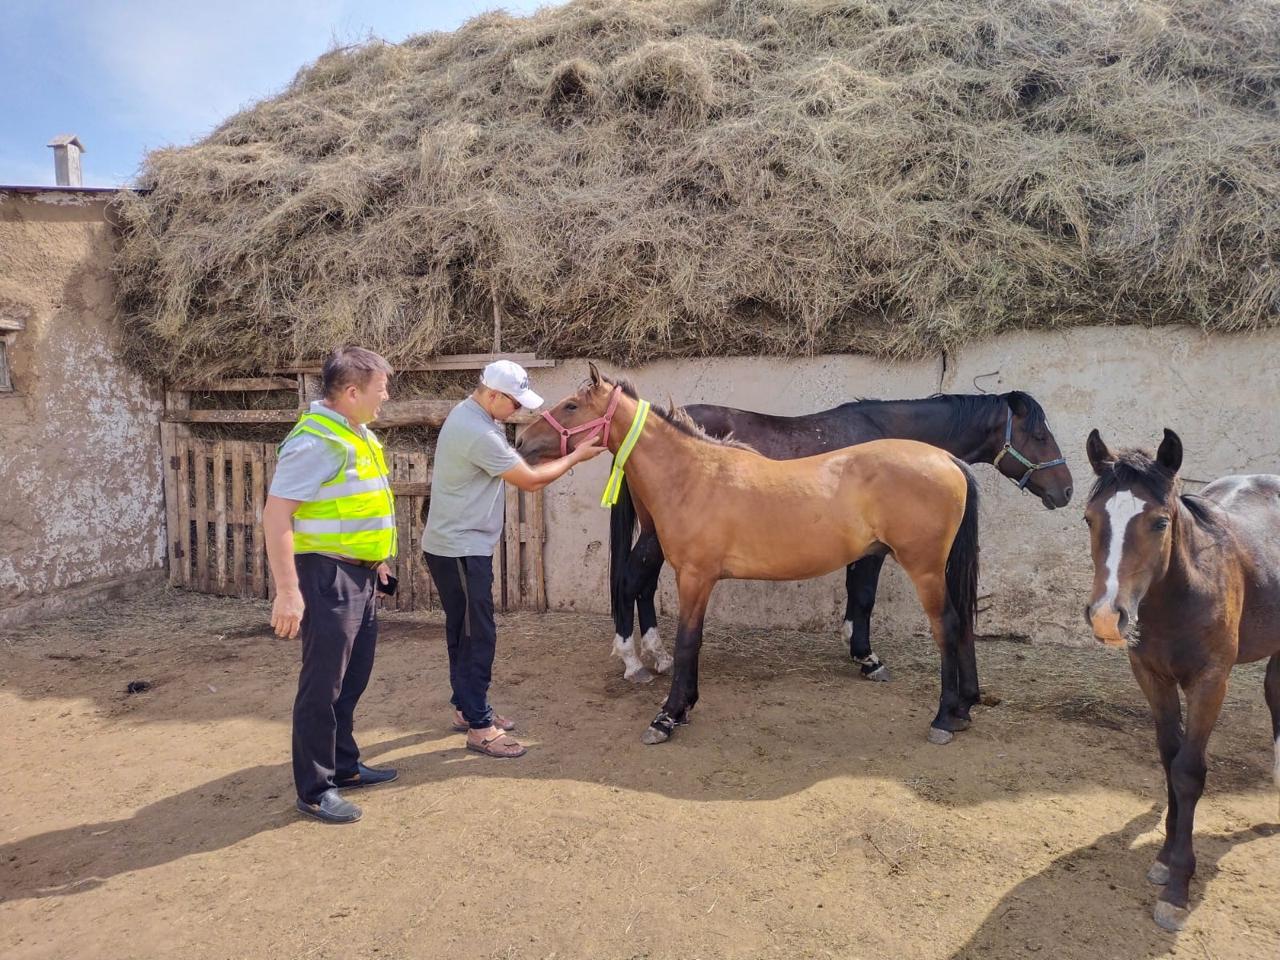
<point x="1158" y="874"/>
<point x="1171" y="918"/>
<point x="940" y="737"/>
<point x="643" y="675"/>
<point x="653" y="735"/>
<point x="663" y="664"/>
<point x="880" y="674"/>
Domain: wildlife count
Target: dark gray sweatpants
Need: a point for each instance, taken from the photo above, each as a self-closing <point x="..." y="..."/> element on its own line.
<point x="465" y="585"/>
<point x="339" y="632"/>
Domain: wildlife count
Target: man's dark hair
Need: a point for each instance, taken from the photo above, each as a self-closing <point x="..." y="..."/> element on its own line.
<point x="349" y="365"/>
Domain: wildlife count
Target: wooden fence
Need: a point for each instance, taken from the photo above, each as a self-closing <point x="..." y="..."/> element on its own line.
<point x="215" y="491"/>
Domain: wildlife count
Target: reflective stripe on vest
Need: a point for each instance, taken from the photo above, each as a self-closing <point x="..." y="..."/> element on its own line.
<point x="353" y="514"/>
<point x="343" y="526"/>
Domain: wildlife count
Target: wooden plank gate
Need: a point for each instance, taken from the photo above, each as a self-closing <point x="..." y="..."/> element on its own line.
<point x="215" y="491"/>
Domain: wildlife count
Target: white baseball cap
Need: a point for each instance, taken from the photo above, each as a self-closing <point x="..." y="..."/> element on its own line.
<point x="510" y="378"/>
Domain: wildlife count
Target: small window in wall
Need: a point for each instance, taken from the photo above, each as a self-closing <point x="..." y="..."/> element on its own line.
<point x="6" y="348"/>
<point x="12" y="320"/>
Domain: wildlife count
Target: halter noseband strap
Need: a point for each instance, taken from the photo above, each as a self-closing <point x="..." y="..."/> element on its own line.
<point x="1007" y="449"/>
<point x="605" y="421"/>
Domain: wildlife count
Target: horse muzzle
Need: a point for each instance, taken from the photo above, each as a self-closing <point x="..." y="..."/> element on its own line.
<point x="539" y="451"/>
<point x="1056" y="498"/>
<point x="1111" y="624"/>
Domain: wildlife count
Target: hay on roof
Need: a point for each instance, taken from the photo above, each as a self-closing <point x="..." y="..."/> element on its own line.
<point x="700" y="177"/>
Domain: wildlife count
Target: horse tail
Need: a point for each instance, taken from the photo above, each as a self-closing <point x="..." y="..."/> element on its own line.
<point x="622" y="527"/>
<point x="962" y="562"/>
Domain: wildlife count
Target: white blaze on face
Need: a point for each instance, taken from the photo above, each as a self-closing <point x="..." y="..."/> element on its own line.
<point x="1121" y="510"/>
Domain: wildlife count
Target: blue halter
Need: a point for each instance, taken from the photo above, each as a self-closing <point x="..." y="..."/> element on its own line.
<point x="1008" y="449"/>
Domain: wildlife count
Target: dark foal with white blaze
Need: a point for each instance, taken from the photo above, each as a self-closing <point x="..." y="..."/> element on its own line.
<point x="1008" y="430"/>
<point x="1191" y="586"/>
<point x="724" y="512"/>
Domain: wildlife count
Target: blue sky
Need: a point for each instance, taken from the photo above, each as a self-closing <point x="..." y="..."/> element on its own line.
<point x="128" y="76"/>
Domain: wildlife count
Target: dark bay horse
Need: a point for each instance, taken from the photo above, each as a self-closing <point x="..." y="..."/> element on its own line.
<point x="1008" y="430"/>
<point x="723" y="511"/>
<point x="1191" y="586"/>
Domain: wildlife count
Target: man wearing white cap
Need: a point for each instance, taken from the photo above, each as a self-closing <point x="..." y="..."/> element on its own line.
<point x="473" y="460"/>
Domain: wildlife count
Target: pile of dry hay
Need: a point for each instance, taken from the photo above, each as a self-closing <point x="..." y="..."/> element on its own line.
<point x="691" y="177"/>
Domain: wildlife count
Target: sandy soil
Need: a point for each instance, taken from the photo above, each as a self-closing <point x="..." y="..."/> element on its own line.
<point x="801" y="814"/>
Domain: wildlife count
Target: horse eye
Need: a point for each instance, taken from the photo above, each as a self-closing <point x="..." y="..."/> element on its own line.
<point x="1160" y="523"/>
<point x="570" y="407"/>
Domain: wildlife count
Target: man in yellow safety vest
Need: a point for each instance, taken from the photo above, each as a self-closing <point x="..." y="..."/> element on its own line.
<point x="329" y="524"/>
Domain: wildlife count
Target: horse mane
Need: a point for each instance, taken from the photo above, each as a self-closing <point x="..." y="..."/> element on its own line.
<point x="963" y="409"/>
<point x="1206" y="512"/>
<point x="677" y="417"/>
<point x="966" y="408"/>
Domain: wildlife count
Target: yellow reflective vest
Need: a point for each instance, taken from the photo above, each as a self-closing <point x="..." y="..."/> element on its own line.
<point x="354" y="513"/>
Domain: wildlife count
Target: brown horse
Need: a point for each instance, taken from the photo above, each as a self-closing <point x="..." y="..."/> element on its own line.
<point x="724" y="511"/>
<point x="1191" y="585"/>
<point x="1008" y="430"/>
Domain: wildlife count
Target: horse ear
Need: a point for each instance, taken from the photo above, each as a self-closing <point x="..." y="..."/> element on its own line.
<point x="1017" y="401"/>
<point x="595" y="374"/>
<point x="1100" y="454"/>
<point x="1169" y="455"/>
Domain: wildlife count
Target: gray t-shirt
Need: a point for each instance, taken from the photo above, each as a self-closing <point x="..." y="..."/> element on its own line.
<point x="467" y="492"/>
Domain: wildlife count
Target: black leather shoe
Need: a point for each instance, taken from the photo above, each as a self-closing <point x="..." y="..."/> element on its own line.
<point x="331" y="808"/>
<point x="364" y="777"/>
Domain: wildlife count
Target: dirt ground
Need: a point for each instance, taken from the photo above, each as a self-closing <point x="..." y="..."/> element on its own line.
<point x="801" y="814"/>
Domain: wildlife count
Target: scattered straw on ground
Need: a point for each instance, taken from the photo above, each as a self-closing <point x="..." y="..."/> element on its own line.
<point x="1021" y="680"/>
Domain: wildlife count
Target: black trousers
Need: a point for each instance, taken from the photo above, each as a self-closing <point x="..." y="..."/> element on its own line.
<point x="465" y="585"/>
<point x="339" y="632"/>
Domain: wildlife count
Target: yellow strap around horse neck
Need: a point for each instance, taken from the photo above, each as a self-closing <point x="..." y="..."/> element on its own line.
<point x="614" y="487"/>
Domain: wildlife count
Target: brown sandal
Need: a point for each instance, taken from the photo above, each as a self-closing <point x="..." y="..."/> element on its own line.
<point x="500" y="745"/>
<point x="502" y="723"/>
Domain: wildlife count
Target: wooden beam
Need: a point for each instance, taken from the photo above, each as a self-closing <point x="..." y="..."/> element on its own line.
<point x="482" y="361"/>
<point x="238" y="383"/>
<point x="397" y="413"/>
<point x="241" y="524"/>
<point x="172" y="490"/>
<point x="431" y="413"/>
<point x="258" y="496"/>
<point x="457" y="361"/>
<point x="200" y="463"/>
<point x="511" y="533"/>
<point x="497" y="320"/>
<point x="533" y="552"/>
<point x="219" y="477"/>
<point x="411" y="488"/>
<point x="182" y="541"/>
<point x="11" y="324"/>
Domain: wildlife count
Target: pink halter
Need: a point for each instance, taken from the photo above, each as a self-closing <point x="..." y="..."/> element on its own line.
<point x="567" y="432"/>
